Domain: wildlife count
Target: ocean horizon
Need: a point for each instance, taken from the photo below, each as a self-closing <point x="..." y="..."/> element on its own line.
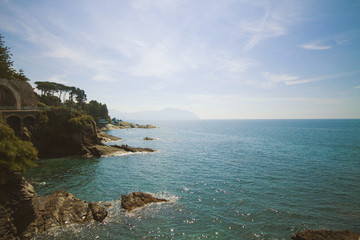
<point x="226" y="179"/>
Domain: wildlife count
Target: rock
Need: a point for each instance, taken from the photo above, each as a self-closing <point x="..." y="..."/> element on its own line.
<point x="108" y="138"/>
<point x="326" y="235"/>
<point x="62" y="208"/>
<point x="133" y="149"/>
<point x="138" y="199"/>
<point x="18" y="205"/>
<point x="99" y="213"/>
<point x="23" y="213"/>
<point x="149" y="138"/>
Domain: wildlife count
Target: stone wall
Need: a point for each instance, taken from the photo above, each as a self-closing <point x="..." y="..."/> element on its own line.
<point x="22" y="91"/>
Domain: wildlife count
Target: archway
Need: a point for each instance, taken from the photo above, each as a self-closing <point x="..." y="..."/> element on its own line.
<point x="29" y="122"/>
<point x="15" y="123"/>
<point x="9" y="97"/>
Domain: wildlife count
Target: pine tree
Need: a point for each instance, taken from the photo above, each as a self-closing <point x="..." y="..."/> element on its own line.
<point x="6" y="65"/>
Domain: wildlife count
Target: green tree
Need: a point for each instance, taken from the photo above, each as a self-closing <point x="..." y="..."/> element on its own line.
<point x="15" y="154"/>
<point x="80" y="96"/>
<point x="6" y="65"/>
<point x="97" y="110"/>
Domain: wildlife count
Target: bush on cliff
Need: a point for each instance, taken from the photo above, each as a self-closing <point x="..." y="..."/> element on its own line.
<point x="15" y="154"/>
<point x="79" y="122"/>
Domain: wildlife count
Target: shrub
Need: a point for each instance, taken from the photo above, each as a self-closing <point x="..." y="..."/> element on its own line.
<point x="15" y="154"/>
<point x="80" y="122"/>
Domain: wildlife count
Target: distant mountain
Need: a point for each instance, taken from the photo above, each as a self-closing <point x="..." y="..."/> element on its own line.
<point x="165" y="114"/>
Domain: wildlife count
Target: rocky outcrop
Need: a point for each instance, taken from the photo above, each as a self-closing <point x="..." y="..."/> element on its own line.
<point x="62" y="208"/>
<point x="18" y="205"/>
<point x="127" y="148"/>
<point x="138" y="199"/>
<point x="125" y="125"/>
<point x="106" y="150"/>
<point x="107" y="138"/>
<point x="99" y="212"/>
<point x="149" y="138"/>
<point x="326" y="235"/>
<point x="23" y="213"/>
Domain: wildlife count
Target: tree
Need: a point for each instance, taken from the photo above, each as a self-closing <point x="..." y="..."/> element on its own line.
<point x="97" y="110"/>
<point x="15" y="154"/>
<point x="80" y="96"/>
<point x="47" y="88"/>
<point x="21" y="75"/>
<point x="6" y="65"/>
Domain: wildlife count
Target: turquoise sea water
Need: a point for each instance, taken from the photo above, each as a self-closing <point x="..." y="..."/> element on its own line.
<point x="227" y="179"/>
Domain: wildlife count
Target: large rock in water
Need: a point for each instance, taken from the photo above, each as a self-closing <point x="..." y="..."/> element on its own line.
<point x="326" y="235"/>
<point x="62" y="208"/>
<point x="138" y="199"/>
<point x="23" y="213"/>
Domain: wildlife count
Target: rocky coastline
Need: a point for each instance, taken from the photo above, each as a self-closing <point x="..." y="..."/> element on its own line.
<point x="23" y="214"/>
<point x="125" y="125"/>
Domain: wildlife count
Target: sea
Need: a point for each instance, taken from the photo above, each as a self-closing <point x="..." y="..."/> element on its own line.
<point x="225" y="179"/>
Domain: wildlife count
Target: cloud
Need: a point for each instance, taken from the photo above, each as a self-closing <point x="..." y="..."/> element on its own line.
<point x="275" y="20"/>
<point x="58" y="78"/>
<point x="104" y="78"/>
<point x="278" y="78"/>
<point x="294" y="80"/>
<point x="357" y="87"/>
<point x="315" y="46"/>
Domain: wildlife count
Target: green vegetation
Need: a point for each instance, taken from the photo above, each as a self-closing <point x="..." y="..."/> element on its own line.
<point x="15" y="154"/>
<point x="79" y="122"/>
<point x="59" y="95"/>
<point x="6" y="64"/>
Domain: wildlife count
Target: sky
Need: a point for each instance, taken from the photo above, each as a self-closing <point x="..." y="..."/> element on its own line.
<point x="221" y="59"/>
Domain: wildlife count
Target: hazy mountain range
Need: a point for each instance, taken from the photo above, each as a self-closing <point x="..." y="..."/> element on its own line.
<point x="164" y="114"/>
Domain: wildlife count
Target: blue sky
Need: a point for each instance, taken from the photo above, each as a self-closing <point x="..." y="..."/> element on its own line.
<point x="220" y="59"/>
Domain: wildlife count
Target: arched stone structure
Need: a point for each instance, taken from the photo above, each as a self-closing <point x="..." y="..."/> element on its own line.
<point x="8" y="95"/>
<point x="29" y="121"/>
<point x="15" y="123"/>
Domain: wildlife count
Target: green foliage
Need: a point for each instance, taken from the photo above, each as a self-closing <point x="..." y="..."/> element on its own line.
<point x="50" y="100"/>
<point x="48" y="97"/>
<point x="79" y="123"/>
<point x="15" y="154"/>
<point x="97" y="110"/>
<point x="6" y="64"/>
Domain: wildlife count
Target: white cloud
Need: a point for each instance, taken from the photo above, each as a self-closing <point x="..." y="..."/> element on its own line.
<point x="59" y="78"/>
<point x="357" y="87"/>
<point x="104" y="78"/>
<point x="275" y="21"/>
<point x="293" y="80"/>
<point x="278" y="78"/>
<point x="315" y="46"/>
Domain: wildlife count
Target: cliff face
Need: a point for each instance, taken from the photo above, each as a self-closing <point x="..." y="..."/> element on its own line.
<point x="61" y="134"/>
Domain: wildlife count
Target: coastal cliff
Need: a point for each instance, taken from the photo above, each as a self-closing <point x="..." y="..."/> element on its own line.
<point x="63" y="133"/>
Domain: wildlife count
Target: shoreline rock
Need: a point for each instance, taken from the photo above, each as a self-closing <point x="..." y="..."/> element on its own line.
<point x="126" y="125"/>
<point x="326" y="235"/>
<point x="111" y="150"/>
<point x="138" y="199"/>
<point x="23" y="214"/>
<point x="149" y="138"/>
<point x="107" y="137"/>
